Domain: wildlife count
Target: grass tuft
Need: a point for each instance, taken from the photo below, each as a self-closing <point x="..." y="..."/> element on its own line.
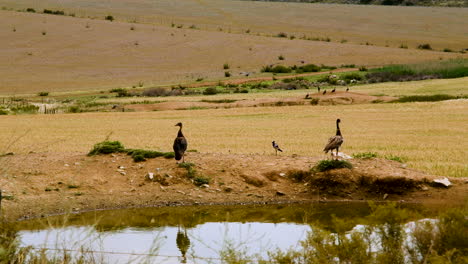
<point x="365" y="155"/>
<point x="325" y="165"/>
<point x="107" y="147"/>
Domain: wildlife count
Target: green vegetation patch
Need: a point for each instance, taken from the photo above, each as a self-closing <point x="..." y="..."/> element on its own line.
<point x="365" y="155"/>
<point x="220" y="101"/>
<point x="141" y="154"/>
<point x="455" y="68"/>
<point x="427" y="98"/>
<point x="325" y="165"/>
<point x="107" y="147"/>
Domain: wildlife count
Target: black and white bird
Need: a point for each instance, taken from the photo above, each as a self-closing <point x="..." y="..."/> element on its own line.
<point x="276" y="147"/>
<point x="335" y="141"/>
<point x="180" y="144"/>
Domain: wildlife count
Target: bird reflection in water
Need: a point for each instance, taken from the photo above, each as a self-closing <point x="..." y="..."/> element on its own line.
<point x="183" y="243"/>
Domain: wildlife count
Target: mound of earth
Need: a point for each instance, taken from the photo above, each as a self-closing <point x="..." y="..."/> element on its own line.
<point x="339" y="97"/>
<point x="39" y="184"/>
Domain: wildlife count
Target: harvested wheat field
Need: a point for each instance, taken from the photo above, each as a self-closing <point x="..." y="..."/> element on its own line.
<point x="59" y="53"/>
<point x="358" y="24"/>
<point x="425" y="135"/>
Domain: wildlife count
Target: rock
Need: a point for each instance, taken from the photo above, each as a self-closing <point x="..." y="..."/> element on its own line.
<point x="123" y="173"/>
<point x="404" y="165"/>
<point x="121" y="167"/>
<point x="227" y="189"/>
<point x="150" y="176"/>
<point x="282" y="174"/>
<point x="385" y="196"/>
<point x="66" y="165"/>
<point x="204" y="186"/>
<point x="77" y="163"/>
<point x="424" y="188"/>
<point x="181" y="192"/>
<point x="280" y="193"/>
<point x="444" y="181"/>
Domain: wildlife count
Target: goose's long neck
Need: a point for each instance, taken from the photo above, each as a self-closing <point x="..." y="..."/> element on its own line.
<point x="179" y="134"/>
<point x="338" y="131"/>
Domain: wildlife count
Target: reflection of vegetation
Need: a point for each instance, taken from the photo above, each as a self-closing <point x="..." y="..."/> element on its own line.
<point x="383" y="240"/>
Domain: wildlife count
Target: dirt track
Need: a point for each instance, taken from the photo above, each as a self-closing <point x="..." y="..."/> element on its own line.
<point x="40" y="184"/>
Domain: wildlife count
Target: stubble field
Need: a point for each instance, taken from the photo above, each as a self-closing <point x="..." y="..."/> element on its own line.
<point x="428" y="136"/>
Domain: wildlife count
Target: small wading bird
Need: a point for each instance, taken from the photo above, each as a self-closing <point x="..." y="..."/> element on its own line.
<point x="333" y="90"/>
<point x="276" y="147"/>
<point x="180" y="144"/>
<point x="307" y="96"/>
<point x="335" y="141"/>
<point x="324" y="91"/>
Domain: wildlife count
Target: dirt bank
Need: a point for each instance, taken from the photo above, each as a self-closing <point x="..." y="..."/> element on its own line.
<point x="39" y="184"/>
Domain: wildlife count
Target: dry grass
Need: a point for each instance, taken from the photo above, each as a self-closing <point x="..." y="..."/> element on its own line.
<point x="431" y="136"/>
<point x="73" y="57"/>
<point x="379" y="25"/>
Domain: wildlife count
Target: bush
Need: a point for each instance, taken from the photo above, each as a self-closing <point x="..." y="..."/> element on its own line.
<point x="153" y="92"/>
<point x="32" y="10"/>
<point x="225" y="66"/>
<point x="26" y="109"/>
<point x="210" y="91"/>
<point x="276" y="69"/>
<point x="351" y="76"/>
<point x="282" y="35"/>
<point x="308" y="68"/>
<point x="314" y="101"/>
<point x="141" y="154"/>
<point x="365" y="155"/>
<point x="110" y="18"/>
<point x="107" y="147"/>
<point x="280" y="57"/>
<point x="74" y="109"/>
<point x="43" y="94"/>
<point x="425" y="46"/>
<point x="325" y="165"/>
<point x="52" y="12"/>
<point x="227" y="74"/>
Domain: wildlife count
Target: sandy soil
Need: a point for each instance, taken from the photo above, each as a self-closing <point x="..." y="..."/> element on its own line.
<point x="40" y="184"/>
<point x="339" y="97"/>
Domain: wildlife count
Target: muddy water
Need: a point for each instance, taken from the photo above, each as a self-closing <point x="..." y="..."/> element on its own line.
<point x="190" y="234"/>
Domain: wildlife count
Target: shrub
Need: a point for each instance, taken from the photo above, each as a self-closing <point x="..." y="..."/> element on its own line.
<point x="43" y="94"/>
<point x="362" y="68"/>
<point x="325" y="165"/>
<point x="282" y="35"/>
<point x="365" y="155"/>
<point x="32" y="10"/>
<point x="314" y="101"/>
<point x="280" y="57"/>
<point x="225" y="66"/>
<point x="308" y="68"/>
<point x="351" y="76"/>
<point x="26" y="109"/>
<point x="191" y="171"/>
<point x="52" y="12"/>
<point x="107" y="147"/>
<point x="425" y="46"/>
<point x="403" y="46"/>
<point x="74" y="109"/>
<point x="210" y="91"/>
<point x="109" y="17"/>
<point x="277" y="69"/>
<point x="158" y="91"/>
<point x="227" y="74"/>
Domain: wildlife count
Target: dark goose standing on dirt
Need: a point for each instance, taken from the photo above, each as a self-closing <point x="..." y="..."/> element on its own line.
<point x="180" y="144"/>
<point x="276" y="147"/>
<point x="335" y="141"/>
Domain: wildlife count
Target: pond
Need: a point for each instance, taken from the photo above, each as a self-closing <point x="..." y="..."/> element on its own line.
<point x="192" y="234"/>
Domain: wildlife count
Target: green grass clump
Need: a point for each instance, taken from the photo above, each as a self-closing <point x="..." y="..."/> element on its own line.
<point x="427" y="98"/>
<point x="200" y="180"/>
<point x="325" y="165"/>
<point x="141" y="154"/>
<point x="396" y="158"/>
<point x="107" y="147"/>
<point x="191" y="171"/>
<point x="365" y="155"/>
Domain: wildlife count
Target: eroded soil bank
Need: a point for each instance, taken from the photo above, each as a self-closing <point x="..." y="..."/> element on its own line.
<point x="41" y="184"/>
